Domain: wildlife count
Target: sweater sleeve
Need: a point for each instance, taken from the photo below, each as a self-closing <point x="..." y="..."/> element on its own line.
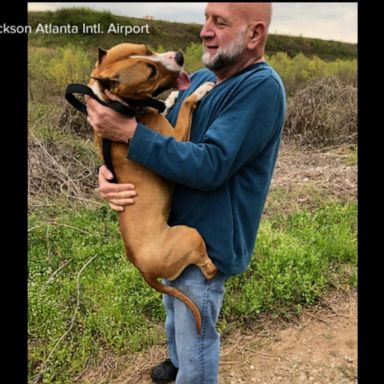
<point x="239" y="133"/>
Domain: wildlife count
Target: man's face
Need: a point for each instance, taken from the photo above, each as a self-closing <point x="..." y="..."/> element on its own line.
<point x="223" y="36"/>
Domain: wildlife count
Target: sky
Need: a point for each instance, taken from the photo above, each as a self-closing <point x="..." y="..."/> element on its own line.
<point x="328" y="21"/>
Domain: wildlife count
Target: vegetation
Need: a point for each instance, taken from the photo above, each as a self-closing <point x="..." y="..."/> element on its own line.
<point x="51" y="69"/>
<point x="84" y="296"/>
<point x="322" y="114"/>
<point x="85" y="299"/>
<point x="177" y="36"/>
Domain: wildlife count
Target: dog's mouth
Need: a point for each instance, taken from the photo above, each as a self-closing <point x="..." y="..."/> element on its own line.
<point x="183" y="81"/>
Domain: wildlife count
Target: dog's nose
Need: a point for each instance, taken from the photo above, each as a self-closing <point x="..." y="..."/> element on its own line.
<point x="179" y="58"/>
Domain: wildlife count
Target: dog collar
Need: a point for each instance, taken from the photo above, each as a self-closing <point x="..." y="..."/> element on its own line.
<point x="115" y="105"/>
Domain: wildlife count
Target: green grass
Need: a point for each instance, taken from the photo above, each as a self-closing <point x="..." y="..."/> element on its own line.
<point x="297" y="258"/>
<point x="350" y="154"/>
<point x="114" y="309"/>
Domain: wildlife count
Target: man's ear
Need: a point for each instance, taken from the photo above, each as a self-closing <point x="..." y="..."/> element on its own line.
<point x="256" y="34"/>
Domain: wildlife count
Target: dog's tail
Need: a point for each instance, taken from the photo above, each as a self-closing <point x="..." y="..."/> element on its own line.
<point x="179" y="295"/>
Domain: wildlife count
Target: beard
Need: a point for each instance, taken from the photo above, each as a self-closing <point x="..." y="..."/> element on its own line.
<point x="225" y="56"/>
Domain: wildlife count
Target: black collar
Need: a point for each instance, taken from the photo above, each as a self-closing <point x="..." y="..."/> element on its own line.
<point x="117" y="106"/>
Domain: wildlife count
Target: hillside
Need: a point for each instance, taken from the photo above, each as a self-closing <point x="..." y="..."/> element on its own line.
<point x="169" y="35"/>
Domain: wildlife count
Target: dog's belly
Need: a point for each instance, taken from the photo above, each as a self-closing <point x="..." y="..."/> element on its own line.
<point x="154" y="193"/>
<point x="145" y="220"/>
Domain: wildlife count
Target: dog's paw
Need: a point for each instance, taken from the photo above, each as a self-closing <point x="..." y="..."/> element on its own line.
<point x="203" y="90"/>
<point x="170" y="101"/>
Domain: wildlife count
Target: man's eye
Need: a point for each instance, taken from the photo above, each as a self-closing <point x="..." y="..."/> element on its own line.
<point x="220" y="23"/>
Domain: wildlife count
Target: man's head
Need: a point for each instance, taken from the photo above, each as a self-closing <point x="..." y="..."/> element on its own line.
<point x="234" y="35"/>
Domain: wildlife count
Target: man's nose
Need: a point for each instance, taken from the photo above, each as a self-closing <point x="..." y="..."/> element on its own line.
<point x="206" y="31"/>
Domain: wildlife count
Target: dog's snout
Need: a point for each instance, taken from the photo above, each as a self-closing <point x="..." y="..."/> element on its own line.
<point x="179" y="58"/>
<point x="172" y="60"/>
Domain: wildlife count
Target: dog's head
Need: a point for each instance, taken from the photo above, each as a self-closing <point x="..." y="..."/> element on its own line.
<point x="133" y="71"/>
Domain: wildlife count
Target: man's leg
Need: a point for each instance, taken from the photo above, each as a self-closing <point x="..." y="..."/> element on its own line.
<point x="196" y="356"/>
<point x="168" y="302"/>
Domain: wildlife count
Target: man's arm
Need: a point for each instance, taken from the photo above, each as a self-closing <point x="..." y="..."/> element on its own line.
<point x="238" y="134"/>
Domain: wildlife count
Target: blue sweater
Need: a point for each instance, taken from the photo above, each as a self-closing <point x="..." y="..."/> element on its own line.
<point x="223" y="173"/>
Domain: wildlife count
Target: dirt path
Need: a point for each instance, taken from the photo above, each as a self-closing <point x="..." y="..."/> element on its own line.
<point x="319" y="347"/>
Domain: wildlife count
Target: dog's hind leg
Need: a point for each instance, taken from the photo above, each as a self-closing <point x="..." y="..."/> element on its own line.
<point x="201" y="258"/>
<point x="185" y="246"/>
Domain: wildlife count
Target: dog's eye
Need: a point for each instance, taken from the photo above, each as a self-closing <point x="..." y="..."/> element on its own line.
<point x="153" y="71"/>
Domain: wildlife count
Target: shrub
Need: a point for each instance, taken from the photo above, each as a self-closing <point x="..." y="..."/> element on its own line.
<point x="299" y="71"/>
<point x="70" y="64"/>
<point x="50" y="70"/>
<point x="322" y="114"/>
<point x="39" y="84"/>
<point x="193" y="57"/>
<point x="61" y="164"/>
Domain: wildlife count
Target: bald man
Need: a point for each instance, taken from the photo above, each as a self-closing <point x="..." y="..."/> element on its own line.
<point x="222" y="175"/>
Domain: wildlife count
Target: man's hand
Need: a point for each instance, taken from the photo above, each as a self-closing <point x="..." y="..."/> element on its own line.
<point x="108" y="123"/>
<point x="117" y="195"/>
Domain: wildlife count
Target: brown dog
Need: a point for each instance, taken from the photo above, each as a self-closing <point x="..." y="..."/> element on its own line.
<point x="159" y="251"/>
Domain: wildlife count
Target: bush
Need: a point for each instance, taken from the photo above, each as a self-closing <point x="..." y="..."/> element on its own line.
<point x="70" y="64"/>
<point x="322" y="114"/>
<point x="299" y="71"/>
<point x="192" y="56"/>
<point x="50" y="70"/>
<point x="61" y="164"/>
<point x="39" y="84"/>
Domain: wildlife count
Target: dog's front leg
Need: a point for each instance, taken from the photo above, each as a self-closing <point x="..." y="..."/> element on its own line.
<point x="170" y="101"/>
<point x="184" y="120"/>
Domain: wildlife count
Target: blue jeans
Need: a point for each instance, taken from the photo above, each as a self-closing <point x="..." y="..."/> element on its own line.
<point x="196" y="356"/>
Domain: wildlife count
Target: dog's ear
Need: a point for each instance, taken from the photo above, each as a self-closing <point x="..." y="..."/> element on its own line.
<point x="107" y="82"/>
<point x="102" y="53"/>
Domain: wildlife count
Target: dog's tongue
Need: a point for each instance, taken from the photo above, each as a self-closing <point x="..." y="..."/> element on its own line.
<point x="183" y="81"/>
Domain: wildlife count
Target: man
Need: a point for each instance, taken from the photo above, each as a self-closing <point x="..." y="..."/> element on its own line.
<point x="222" y="175"/>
